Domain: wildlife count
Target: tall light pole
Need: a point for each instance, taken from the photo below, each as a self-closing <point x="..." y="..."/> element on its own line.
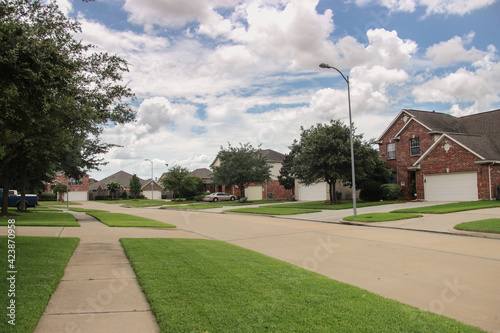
<point x="353" y="173"/>
<point x="152" y="179"/>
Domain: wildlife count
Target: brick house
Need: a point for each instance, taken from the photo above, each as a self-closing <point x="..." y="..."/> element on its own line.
<point x="122" y="177"/>
<point x="78" y="188"/>
<point x="447" y="158"/>
<point x="268" y="190"/>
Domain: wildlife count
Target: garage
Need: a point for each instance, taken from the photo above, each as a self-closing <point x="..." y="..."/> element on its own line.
<point x="451" y="187"/>
<point x="78" y="195"/>
<point x="315" y="192"/>
<point x="254" y="192"/>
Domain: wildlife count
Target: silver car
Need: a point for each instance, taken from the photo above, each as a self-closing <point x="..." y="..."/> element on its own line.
<point x="219" y="196"/>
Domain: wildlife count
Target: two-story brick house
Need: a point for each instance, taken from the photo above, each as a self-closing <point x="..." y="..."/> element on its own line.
<point x="448" y="158"/>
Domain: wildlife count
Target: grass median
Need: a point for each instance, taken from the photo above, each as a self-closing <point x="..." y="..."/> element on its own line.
<point x="212" y="286"/>
<point x="325" y="205"/>
<point x="272" y="210"/>
<point x="43" y="219"/>
<point x="126" y="220"/>
<point x="380" y="217"/>
<point x="40" y="263"/>
<point x="488" y="225"/>
<point x="451" y="207"/>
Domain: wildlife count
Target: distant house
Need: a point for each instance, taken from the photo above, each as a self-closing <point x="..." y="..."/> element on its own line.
<point x="267" y="190"/>
<point x="78" y="188"/>
<point x="205" y="175"/>
<point x="447" y="158"/>
<point x="122" y="177"/>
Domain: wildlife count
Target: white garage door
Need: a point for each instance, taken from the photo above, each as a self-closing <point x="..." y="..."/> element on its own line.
<point x="77" y="196"/>
<point x="254" y="192"/>
<point x="315" y="192"/>
<point x="451" y="187"/>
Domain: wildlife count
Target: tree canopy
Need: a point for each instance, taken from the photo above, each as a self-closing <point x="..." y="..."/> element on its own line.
<point x="56" y="95"/>
<point x="324" y="154"/>
<point x="173" y="179"/>
<point x="135" y="186"/>
<point x="241" y="166"/>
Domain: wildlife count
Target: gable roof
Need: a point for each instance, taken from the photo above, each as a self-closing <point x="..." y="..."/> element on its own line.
<point x="272" y="156"/>
<point x="121" y="176"/>
<point x="201" y="173"/>
<point x="480" y="133"/>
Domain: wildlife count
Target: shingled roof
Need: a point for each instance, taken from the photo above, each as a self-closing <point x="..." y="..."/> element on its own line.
<point x="121" y="177"/>
<point x="479" y="132"/>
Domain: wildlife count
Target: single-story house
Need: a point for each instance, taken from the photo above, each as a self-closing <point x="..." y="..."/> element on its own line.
<point x="122" y="177"/>
<point x="442" y="157"/>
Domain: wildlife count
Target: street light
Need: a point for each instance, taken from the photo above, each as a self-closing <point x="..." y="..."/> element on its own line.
<point x="346" y="79"/>
<point x="151" y="178"/>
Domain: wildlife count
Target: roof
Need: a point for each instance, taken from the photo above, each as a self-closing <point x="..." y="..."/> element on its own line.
<point x="272" y="156"/>
<point x="201" y="173"/>
<point x="479" y="132"/>
<point x="121" y="176"/>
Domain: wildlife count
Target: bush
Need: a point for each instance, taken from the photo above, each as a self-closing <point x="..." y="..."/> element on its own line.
<point x="47" y="197"/>
<point x="199" y="197"/>
<point x="102" y="197"/>
<point x="124" y="195"/>
<point x="391" y="191"/>
<point x="371" y="191"/>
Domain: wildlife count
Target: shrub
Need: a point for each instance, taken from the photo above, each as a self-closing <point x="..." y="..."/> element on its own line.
<point x="199" y="197"/>
<point x="391" y="191"/>
<point x="102" y="197"/>
<point x="371" y="191"/>
<point x="47" y="197"/>
<point x="124" y="195"/>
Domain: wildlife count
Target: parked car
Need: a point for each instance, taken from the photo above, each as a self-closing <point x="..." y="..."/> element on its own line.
<point x="31" y="200"/>
<point x="219" y="196"/>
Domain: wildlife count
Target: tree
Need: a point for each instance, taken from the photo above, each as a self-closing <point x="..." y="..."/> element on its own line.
<point x="173" y="179"/>
<point x="324" y="154"/>
<point x="135" y="186"/>
<point x="60" y="188"/>
<point x="241" y="166"/>
<point x="113" y="187"/>
<point x="55" y="94"/>
<point x="286" y="178"/>
<point x="191" y="186"/>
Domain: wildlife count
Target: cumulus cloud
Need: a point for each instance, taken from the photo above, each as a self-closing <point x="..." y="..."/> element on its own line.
<point x="453" y="50"/>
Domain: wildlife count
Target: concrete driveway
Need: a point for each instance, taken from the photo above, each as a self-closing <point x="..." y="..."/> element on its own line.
<point x="453" y="275"/>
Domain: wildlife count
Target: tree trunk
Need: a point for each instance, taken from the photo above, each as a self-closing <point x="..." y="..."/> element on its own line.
<point x="242" y="190"/>
<point x="5" y="199"/>
<point x="333" y="196"/>
<point x="22" y="204"/>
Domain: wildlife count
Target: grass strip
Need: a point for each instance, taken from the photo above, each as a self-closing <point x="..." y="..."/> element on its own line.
<point x="135" y="202"/>
<point x="212" y="286"/>
<point x="322" y="205"/>
<point x="451" y="207"/>
<point x="209" y="205"/>
<point x="87" y="210"/>
<point x="488" y="225"/>
<point x="380" y="217"/>
<point x="126" y="220"/>
<point x="43" y="219"/>
<point x="40" y="263"/>
<point x="272" y="211"/>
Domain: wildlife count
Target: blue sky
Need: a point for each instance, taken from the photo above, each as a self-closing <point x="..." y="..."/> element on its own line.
<point x="209" y="72"/>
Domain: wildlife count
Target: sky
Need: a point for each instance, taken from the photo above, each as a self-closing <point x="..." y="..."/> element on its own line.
<point x="209" y="73"/>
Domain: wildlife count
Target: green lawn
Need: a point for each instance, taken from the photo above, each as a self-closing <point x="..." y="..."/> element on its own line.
<point x="380" y="217"/>
<point x="272" y="210"/>
<point x="86" y="210"/>
<point x="208" y="205"/>
<point x="322" y="205"/>
<point x="451" y="207"/>
<point x="126" y="220"/>
<point x="488" y="225"/>
<point x="212" y="286"/>
<point x="45" y="219"/>
<point x="58" y="203"/>
<point x="40" y="264"/>
<point x="135" y="203"/>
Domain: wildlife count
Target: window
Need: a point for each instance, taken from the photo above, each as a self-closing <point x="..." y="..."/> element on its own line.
<point x="391" y="151"/>
<point x="414" y="146"/>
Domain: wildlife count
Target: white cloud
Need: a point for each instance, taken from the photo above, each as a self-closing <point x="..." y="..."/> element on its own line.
<point x="453" y="50"/>
<point x="432" y="7"/>
<point x="388" y="50"/>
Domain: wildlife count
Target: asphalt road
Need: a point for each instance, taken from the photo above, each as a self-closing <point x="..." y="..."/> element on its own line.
<point x="454" y="275"/>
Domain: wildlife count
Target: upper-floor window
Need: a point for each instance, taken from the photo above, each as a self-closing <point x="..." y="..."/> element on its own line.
<point x="391" y="151"/>
<point x="414" y="146"/>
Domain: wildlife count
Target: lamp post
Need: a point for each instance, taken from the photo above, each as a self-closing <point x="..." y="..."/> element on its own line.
<point x="151" y="178"/>
<point x="353" y="173"/>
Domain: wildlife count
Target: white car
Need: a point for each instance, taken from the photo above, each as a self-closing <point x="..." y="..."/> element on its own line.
<point x="219" y="196"/>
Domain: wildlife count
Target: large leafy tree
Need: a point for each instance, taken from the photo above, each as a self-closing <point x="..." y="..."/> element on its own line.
<point x="56" y="95"/>
<point x="324" y="154"/>
<point x="174" y="178"/>
<point x="241" y="166"/>
<point x="113" y="187"/>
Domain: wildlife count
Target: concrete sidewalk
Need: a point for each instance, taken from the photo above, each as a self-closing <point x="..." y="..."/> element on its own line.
<point x="99" y="291"/>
